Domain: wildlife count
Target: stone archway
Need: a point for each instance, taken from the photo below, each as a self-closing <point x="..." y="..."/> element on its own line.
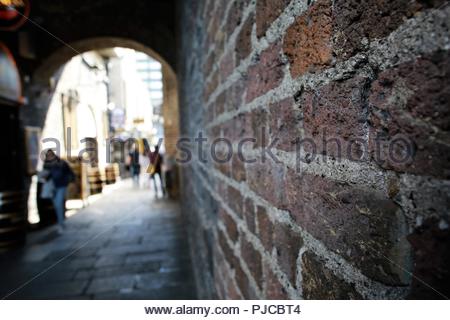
<point x="40" y="81"/>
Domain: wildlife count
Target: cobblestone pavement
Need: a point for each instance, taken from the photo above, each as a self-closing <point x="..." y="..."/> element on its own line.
<point x="126" y="245"/>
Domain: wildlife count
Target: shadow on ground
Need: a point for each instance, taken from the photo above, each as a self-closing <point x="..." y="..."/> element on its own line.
<point x="126" y="245"/>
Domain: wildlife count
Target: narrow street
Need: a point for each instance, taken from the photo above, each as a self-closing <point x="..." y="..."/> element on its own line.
<point x="125" y="245"/>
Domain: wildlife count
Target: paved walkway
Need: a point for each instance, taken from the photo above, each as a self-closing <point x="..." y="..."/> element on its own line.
<point x="126" y="245"/>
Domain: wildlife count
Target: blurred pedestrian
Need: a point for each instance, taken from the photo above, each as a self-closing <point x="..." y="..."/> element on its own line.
<point x="58" y="175"/>
<point x="135" y="166"/>
<point x="156" y="160"/>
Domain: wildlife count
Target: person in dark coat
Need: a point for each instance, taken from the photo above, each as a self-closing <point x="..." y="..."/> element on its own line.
<point x="61" y="175"/>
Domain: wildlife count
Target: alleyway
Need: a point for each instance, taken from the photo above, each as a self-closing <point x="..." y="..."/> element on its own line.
<point x="125" y="245"/>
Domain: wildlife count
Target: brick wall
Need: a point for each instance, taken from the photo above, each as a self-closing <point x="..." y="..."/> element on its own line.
<point x="312" y="221"/>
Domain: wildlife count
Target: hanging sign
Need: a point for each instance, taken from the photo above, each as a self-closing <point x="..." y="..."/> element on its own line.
<point x="10" y="85"/>
<point x="13" y="13"/>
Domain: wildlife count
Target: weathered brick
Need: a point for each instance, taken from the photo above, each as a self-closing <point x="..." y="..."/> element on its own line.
<point x="320" y="283"/>
<point x="266" y="13"/>
<point x="266" y="178"/>
<point x="285" y="124"/>
<point x="232" y="292"/>
<point x="274" y="289"/>
<point x="230" y="224"/>
<point x="219" y="104"/>
<point x="244" y="40"/>
<point x="239" y="127"/>
<point x="244" y="283"/>
<point x="222" y="166"/>
<point x="253" y="260"/>
<point x="227" y="251"/>
<point x="362" y="225"/>
<point x="211" y="85"/>
<point x="235" y="94"/>
<point x="227" y="65"/>
<point x="354" y="21"/>
<point x="235" y="200"/>
<point x="249" y="214"/>
<point x="411" y="103"/>
<point x="431" y="245"/>
<point x="260" y="127"/>
<point x="238" y="168"/>
<point x="287" y="244"/>
<point x="335" y="119"/>
<point x="235" y="15"/>
<point x="266" y="73"/>
<point x="265" y="228"/>
<point x="307" y="42"/>
<point x="209" y="64"/>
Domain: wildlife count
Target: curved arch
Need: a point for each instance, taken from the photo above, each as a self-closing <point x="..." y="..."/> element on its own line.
<point x="63" y="54"/>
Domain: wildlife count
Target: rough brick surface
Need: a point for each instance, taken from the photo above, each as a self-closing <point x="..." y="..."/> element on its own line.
<point x="274" y="289"/>
<point x="266" y="73"/>
<point x="330" y="79"/>
<point x="335" y="117"/>
<point x="363" y="226"/>
<point x="431" y="243"/>
<point x="418" y="90"/>
<point x="307" y="42"/>
<point x="244" y="39"/>
<point x="266" y="12"/>
<point x="320" y="283"/>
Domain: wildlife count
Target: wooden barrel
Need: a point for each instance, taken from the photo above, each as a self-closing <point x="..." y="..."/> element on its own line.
<point x="13" y="219"/>
<point x="95" y="181"/>
<point x="110" y="174"/>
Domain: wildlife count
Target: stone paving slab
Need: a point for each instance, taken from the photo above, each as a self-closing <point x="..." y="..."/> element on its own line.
<point x="123" y="246"/>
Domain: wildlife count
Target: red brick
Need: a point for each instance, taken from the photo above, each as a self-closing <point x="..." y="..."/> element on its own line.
<point x="266" y="74"/>
<point x="244" y="40"/>
<point x="266" y="13"/>
<point x="335" y="119"/>
<point x="220" y="104"/>
<point x="260" y="127"/>
<point x="232" y="292"/>
<point x="230" y="224"/>
<point x="354" y="20"/>
<point x="235" y="200"/>
<point x="412" y="102"/>
<point x="226" y="250"/>
<point x="235" y="94"/>
<point x="209" y="64"/>
<point x="274" y="289"/>
<point x="227" y="65"/>
<point x="223" y="166"/>
<point x="267" y="180"/>
<point x="239" y="127"/>
<point x="238" y="168"/>
<point x="431" y="245"/>
<point x="288" y="244"/>
<point x="320" y="283"/>
<point x="285" y="119"/>
<point x="265" y="227"/>
<point x="307" y="42"/>
<point x="235" y="15"/>
<point x="253" y="260"/>
<point x="362" y="225"/>
<point x="249" y="214"/>
<point x="211" y="85"/>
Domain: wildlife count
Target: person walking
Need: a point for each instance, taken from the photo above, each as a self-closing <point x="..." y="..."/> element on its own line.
<point x="135" y="166"/>
<point x="60" y="174"/>
<point x="156" y="160"/>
